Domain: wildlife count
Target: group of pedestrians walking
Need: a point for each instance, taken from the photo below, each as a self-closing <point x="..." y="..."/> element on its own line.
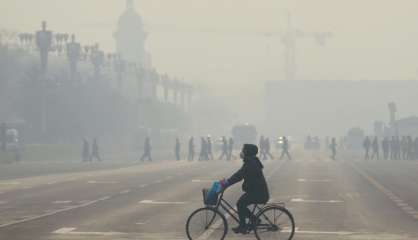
<point x="391" y="148"/>
<point x="88" y="155"/>
<point x="206" y="150"/>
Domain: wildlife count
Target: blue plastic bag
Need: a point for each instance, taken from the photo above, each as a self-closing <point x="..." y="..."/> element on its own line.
<point x="212" y="197"/>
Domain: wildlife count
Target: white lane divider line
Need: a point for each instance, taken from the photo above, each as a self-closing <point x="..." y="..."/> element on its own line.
<point x="125" y="191"/>
<point x="301" y="200"/>
<point x="141" y="223"/>
<point x="405" y="207"/>
<point x="102" y="182"/>
<point x="49" y="213"/>
<point x="70" y="231"/>
<point x="202" y="181"/>
<point x="161" y="203"/>
<point x="314" y="180"/>
<point x="143" y="185"/>
<point x="158" y="181"/>
<point x="62" y="202"/>
<point x="10" y="183"/>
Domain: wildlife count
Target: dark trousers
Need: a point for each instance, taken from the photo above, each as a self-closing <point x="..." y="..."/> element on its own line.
<point x="242" y="205"/>
<point x="147" y="154"/>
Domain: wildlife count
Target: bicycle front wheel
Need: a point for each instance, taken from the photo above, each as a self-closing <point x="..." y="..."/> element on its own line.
<point x="274" y="223"/>
<point x="206" y="223"/>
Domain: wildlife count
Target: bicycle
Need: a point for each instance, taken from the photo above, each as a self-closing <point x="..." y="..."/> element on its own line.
<point x="209" y="221"/>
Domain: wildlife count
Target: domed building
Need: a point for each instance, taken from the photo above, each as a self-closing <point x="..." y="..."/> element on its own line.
<point x="130" y="36"/>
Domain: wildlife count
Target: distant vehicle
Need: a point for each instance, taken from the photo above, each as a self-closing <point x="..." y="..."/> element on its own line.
<point x="244" y="133"/>
<point x="354" y="139"/>
<point x="279" y="142"/>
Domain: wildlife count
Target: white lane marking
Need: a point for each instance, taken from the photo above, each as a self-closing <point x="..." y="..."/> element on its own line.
<point x="143" y="185"/>
<point x="104" y="198"/>
<point x="63" y="230"/>
<point x="102" y="182"/>
<point x="125" y="191"/>
<point x="61" y="202"/>
<point x="313" y="180"/>
<point x="50" y="213"/>
<point x="202" y="181"/>
<point x="301" y="200"/>
<point x="141" y="223"/>
<point x="395" y="199"/>
<point x="161" y="203"/>
<point x="70" y="231"/>
<point x="158" y="181"/>
<point x="10" y="183"/>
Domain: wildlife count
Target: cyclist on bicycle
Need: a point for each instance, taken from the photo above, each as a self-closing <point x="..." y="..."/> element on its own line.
<point x="254" y="185"/>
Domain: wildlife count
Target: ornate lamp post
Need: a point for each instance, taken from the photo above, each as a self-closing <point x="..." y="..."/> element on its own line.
<point x="44" y="43"/>
<point x="166" y="84"/>
<point x="175" y="87"/>
<point x="97" y="59"/>
<point x="73" y="55"/>
<point x="154" y="78"/>
<point x="189" y="96"/>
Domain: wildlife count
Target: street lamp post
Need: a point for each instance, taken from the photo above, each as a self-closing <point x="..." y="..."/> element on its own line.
<point x="73" y="55"/>
<point x="44" y="43"/>
<point x="97" y="59"/>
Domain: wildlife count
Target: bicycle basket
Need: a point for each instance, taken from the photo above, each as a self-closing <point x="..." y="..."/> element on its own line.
<point x="209" y="198"/>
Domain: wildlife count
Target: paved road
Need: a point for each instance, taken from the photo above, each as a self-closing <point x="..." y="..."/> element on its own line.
<point x="329" y="200"/>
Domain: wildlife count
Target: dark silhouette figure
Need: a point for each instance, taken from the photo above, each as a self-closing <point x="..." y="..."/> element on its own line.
<point x="95" y="151"/>
<point x="209" y="148"/>
<point x="147" y="150"/>
<point x="230" y="148"/>
<point x="285" y="149"/>
<point x="3" y="137"/>
<point x="203" y="156"/>
<point x="333" y="147"/>
<point x="224" y="154"/>
<point x="85" y="153"/>
<point x="392" y="145"/>
<point x="254" y="186"/>
<point x="416" y="148"/>
<point x="261" y="146"/>
<point x="398" y="148"/>
<point x="385" y="148"/>
<point x="404" y="148"/>
<point x="177" y="149"/>
<point x="409" y="148"/>
<point x="367" y="144"/>
<point x="267" y="148"/>
<point x="375" y="149"/>
<point x="190" y="157"/>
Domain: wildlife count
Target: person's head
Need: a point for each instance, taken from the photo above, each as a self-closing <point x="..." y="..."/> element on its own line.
<point x="248" y="150"/>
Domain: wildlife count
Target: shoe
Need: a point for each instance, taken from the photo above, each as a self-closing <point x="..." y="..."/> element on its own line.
<point x="240" y="229"/>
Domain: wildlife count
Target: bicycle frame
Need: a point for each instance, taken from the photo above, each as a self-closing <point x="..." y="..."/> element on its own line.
<point x="230" y="210"/>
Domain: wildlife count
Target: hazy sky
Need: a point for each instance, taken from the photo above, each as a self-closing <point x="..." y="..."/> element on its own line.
<point x="372" y="39"/>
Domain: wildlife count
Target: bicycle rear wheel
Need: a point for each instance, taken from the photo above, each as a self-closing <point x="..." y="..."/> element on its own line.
<point x="275" y="222"/>
<point x="206" y="223"/>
